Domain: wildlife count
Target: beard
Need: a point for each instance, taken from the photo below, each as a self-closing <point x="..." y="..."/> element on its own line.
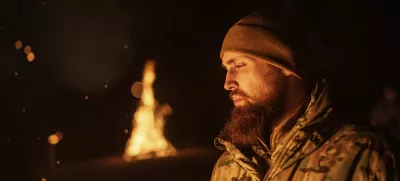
<point x="250" y="122"/>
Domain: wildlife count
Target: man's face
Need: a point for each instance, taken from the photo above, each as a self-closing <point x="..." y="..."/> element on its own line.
<point x="256" y="89"/>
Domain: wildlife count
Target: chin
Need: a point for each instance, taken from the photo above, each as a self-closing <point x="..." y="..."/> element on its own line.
<point x="240" y="104"/>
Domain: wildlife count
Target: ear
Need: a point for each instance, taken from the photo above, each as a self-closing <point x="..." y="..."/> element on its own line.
<point x="286" y="73"/>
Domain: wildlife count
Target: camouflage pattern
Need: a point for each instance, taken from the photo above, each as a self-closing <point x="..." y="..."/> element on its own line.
<point x="311" y="151"/>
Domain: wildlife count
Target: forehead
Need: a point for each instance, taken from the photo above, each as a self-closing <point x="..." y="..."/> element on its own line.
<point x="230" y="57"/>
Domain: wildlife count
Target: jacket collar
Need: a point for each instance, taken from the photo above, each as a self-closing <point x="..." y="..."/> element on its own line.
<point x="303" y="138"/>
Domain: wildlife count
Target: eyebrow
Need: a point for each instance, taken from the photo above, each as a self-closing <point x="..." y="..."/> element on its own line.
<point x="230" y="61"/>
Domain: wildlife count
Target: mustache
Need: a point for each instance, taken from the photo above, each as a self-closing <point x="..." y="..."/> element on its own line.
<point x="237" y="92"/>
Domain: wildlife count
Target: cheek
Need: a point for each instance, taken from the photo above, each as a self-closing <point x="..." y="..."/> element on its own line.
<point x="252" y="84"/>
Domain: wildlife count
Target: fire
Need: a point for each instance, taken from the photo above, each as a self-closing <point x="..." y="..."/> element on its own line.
<point x="147" y="138"/>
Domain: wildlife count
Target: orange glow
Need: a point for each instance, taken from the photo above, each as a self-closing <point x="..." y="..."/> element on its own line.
<point x="27" y="49"/>
<point x="126" y="47"/>
<point x="59" y="135"/>
<point x="18" y="44"/>
<point x="16" y="73"/>
<point x="137" y="89"/>
<point x="30" y="57"/>
<point x="147" y="138"/>
<point x="43" y="179"/>
<point x="55" y="138"/>
<point x="86" y="97"/>
<point x="166" y="109"/>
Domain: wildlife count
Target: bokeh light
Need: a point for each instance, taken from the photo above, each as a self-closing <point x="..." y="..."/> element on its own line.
<point x="126" y="47"/>
<point x="137" y="89"/>
<point x="166" y="109"/>
<point x="18" y="44"/>
<point x="53" y="139"/>
<point x="27" y="49"/>
<point x="30" y="57"/>
<point x="59" y="135"/>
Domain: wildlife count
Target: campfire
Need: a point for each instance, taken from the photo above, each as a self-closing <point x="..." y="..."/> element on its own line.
<point x="147" y="139"/>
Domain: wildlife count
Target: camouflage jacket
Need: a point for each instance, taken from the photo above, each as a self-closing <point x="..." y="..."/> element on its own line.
<point x="311" y="151"/>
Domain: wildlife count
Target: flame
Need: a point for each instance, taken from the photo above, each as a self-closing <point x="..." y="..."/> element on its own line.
<point x="147" y="138"/>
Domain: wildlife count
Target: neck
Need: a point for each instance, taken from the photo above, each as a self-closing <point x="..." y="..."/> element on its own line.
<point x="294" y="98"/>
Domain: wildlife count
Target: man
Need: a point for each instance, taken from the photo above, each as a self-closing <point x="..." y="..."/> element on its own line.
<point x="281" y="128"/>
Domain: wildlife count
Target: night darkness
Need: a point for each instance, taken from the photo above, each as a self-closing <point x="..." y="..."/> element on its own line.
<point x="79" y="48"/>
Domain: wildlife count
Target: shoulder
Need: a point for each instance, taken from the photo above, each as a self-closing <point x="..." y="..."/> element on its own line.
<point x="359" y="138"/>
<point x="357" y="151"/>
<point x="365" y="147"/>
<point x="225" y="160"/>
<point x="226" y="168"/>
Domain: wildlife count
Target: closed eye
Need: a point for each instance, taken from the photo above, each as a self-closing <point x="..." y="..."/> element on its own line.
<point x="238" y="66"/>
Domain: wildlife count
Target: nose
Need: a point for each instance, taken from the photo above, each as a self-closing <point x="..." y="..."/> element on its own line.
<point x="230" y="82"/>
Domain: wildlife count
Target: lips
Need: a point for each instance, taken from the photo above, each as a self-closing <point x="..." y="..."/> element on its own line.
<point x="238" y="97"/>
<point x="237" y="100"/>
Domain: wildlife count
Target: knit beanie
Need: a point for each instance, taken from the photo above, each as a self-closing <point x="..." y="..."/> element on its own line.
<point x="257" y="37"/>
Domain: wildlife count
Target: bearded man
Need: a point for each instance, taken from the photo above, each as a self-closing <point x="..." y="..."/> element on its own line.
<point x="281" y="128"/>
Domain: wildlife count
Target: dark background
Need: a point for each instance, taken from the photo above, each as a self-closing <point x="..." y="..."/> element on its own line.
<point x="79" y="44"/>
